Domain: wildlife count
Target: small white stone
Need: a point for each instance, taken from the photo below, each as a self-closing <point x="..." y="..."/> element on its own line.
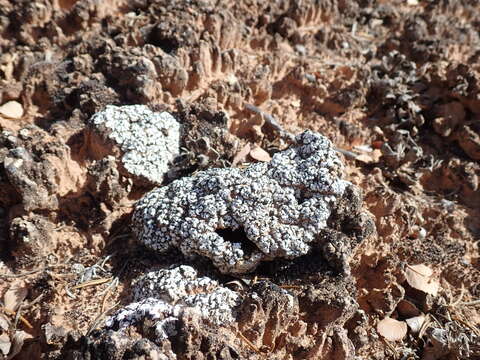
<point x="12" y="109"/>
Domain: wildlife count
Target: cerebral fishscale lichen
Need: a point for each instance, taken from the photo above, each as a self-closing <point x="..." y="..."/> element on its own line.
<point x="150" y="308"/>
<point x="148" y="140"/>
<point x="171" y="285"/>
<point x="280" y="206"/>
<point x="217" y="306"/>
<point x="163" y="295"/>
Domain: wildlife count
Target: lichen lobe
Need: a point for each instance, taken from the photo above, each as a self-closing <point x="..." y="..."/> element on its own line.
<point x="281" y="207"/>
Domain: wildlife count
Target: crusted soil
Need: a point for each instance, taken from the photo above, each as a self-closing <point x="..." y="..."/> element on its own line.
<point x="395" y="85"/>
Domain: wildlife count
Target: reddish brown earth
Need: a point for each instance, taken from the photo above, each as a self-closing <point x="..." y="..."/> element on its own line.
<point x="395" y="83"/>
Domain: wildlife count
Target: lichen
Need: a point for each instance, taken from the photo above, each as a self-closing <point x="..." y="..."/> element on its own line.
<point x="163" y="295"/>
<point x="148" y="140"/>
<point x="238" y="218"/>
<point x="171" y="285"/>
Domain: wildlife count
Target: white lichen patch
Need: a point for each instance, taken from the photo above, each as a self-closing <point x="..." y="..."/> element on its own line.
<point x="163" y="295"/>
<point x="238" y="218"/>
<point x="217" y="306"/>
<point x="148" y="140"/>
<point x="149" y="308"/>
<point x="172" y="285"/>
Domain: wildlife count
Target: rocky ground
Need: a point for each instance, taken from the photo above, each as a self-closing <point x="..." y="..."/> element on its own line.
<point x="395" y="86"/>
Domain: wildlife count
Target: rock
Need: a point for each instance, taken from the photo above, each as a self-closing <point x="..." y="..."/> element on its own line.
<point x="391" y="329"/>
<point x="12" y="109"/>
<point x="54" y="334"/>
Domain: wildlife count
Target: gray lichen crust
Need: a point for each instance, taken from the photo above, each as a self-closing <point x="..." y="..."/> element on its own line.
<point x="171" y="285"/>
<point x="163" y="295"/>
<point x="148" y="140"/>
<point x="281" y="206"/>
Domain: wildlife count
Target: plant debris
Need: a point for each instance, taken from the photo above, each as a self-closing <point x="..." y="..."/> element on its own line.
<point x="391" y="329"/>
<point x="420" y="277"/>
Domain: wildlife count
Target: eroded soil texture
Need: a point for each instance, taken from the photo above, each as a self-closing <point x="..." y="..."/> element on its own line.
<point x="394" y="85"/>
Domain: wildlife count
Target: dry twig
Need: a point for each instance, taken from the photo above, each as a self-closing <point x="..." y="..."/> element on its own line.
<point x="249" y="343"/>
<point x="100" y="316"/>
<point x="20" y="317"/>
<point x="93" y="283"/>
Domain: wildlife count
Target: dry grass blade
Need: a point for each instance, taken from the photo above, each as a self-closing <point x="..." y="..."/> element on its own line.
<point x="468" y="324"/>
<point x="347" y="153"/>
<point x="108" y="291"/>
<point x="93" y="283"/>
<point x="392" y="349"/>
<point x="100" y="316"/>
<point x="291" y="286"/>
<point x="459" y="300"/>
<point x="267" y="117"/>
<point x="104" y="301"/>
<point x="21" y="318"/>
<point x="470" y="303"/>
<point x="36" y="300"/>
<point x="425" y="326"/>
<point x="249" y="343"/>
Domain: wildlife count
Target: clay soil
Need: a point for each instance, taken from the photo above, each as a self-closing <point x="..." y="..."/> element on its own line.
<point x="394" y="84"/>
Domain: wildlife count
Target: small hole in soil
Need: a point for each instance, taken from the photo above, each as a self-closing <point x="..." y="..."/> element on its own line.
<point x="238" y="236"/>
<point x="167" y="44"/>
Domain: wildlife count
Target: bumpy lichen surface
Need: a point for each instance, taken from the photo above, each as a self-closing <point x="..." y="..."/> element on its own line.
<point x="281" y="206"/>
<point x="172" y="285"/>
<point x="164" y="294"/>
<point x="148" y="140"/>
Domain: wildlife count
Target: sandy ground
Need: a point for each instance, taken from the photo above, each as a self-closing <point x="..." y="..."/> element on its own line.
<point x="393" y="84"/>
